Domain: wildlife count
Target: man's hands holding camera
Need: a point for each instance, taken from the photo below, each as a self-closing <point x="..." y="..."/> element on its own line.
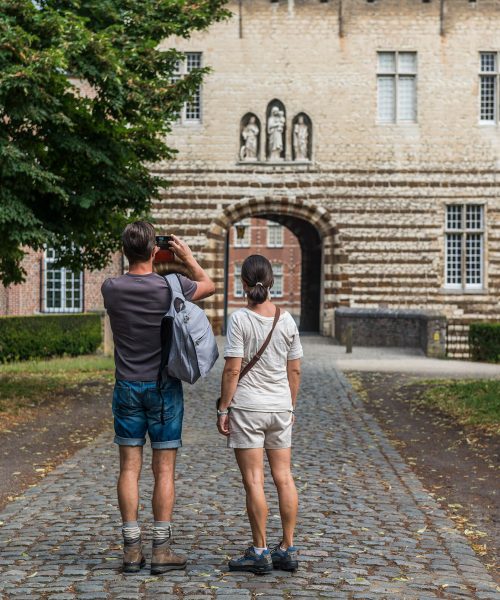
<point x="181" y="250"/>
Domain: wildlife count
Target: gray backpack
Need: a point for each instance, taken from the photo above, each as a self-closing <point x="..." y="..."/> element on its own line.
<point x="188" y="346"/>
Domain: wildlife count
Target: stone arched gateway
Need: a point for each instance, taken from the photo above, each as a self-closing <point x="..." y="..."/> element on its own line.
<point x="318" y="237"/>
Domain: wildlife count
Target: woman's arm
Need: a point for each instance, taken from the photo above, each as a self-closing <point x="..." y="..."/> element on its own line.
<point x="229" y="382"/>
<point x="293" y="374"/>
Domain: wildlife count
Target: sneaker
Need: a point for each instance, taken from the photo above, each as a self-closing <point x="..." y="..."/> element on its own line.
<point x="133" y="558"/>
<point x="163" y="559"/>
<point x="286" y="560"/>
<point x="253" y="562"/>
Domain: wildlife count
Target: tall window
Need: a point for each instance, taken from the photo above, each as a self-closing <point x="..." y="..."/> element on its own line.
<point x="244" y="242"/>
<point x="277" y="290"/>
<point x="464" y="246"/>
<point x="191" y="111"/>
<point x="274" y="235"/>
<point x="238" y="285"/>
<point x="62" y="287"/>
<point x="397" y="87"/>
<point x="488" y="85"/>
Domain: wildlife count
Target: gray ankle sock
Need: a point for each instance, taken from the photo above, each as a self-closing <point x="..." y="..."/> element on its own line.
<point x="131" y="532"/>
<point x="162" y="532"/>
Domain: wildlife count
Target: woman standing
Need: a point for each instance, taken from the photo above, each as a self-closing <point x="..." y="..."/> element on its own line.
<point x="256" y="411"/>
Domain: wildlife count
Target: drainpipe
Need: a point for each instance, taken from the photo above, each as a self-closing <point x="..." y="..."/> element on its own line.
<point x="226" y="282"/>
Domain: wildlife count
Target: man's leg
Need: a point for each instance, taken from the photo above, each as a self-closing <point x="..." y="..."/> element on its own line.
<point x="251" y="464"/>
<point x="163" y="558"/>
<point x="163" y="465"/>
<point x="128" y="482"/>
<point x="279" y="461"/>
<point x="128" y="500"/>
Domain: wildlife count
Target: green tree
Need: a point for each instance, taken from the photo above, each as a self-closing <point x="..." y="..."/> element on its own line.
<point x="74" y="166"/>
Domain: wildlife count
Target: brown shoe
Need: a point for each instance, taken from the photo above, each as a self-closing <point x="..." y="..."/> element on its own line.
<point x="163" y="559"/>
<point x="133" y="558"/>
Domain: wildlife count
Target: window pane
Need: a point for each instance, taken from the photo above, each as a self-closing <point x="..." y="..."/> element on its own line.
<point x="407" y="62"/>
<point x="454" y="216"/>
<point x="488" y="62"/>
<point x="278" y="280"/>
<point x="238" y="285"/>
<point x="193" y="61"/>
<point x="473" y="260"/>
<point x="387" y="62"/>
<point x="407" y="101"/>
<point x="488" y="97"/>
<point x="386" y="99"/>
<point x="193" y="107"/>
<point x="474" y="216"/>
<point x="274" y="235"/>
<point x="453" y="259"/>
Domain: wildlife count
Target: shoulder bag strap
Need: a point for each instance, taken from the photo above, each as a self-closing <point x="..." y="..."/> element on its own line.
<point x="256" y="358"/>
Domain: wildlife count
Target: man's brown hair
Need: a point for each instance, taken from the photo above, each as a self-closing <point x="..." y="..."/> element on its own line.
<point x="138" y="241"/>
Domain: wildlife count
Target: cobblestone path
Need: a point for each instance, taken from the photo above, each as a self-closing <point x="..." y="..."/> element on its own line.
<point x="367" y="527"/>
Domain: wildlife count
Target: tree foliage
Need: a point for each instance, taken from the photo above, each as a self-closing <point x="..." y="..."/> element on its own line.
<point x="73" y="165"/>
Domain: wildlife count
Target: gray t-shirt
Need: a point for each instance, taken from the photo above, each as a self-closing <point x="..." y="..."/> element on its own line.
<point x="136" y="305"/>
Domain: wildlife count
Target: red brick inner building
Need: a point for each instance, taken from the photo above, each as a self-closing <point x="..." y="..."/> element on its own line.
<point x="281" y="247"/>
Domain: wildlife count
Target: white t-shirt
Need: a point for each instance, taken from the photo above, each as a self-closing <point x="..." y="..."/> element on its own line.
<point x="265" y="387"/>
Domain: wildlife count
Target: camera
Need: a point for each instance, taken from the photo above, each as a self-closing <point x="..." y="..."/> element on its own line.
<point x="165" y="253"/>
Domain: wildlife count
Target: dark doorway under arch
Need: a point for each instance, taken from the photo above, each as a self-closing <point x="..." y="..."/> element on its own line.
<point x="311" y="247"/>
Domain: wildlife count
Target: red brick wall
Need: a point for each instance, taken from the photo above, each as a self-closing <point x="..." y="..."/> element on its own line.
<point x="25" y="299"/>
<point x="289" y="255"/>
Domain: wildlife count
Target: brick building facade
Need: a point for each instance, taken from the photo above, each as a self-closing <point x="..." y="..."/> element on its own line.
<point x="370" y="130"/>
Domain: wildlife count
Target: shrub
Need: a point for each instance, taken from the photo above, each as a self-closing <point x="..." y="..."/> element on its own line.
<point x="484" y="341"/>
<point x="41" y="336"/>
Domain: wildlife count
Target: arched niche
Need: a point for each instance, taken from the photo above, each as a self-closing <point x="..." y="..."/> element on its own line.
<point x="275" y="131"/>
<point x="301" y="137"/>
<point x="250" y="131"/>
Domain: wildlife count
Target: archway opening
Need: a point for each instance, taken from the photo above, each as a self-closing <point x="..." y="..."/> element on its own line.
<point x="293" y="245"/>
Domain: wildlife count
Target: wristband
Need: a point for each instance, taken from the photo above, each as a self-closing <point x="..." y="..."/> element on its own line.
<point x="221" y="413"/>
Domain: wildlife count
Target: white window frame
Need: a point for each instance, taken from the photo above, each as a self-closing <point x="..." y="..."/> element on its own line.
<point x="238" y="290"/>
<point x="182" y="70"/>
<point x="465" y="232"/>
<point x="246" y="241"/>
<point x="396" y="75"/>
<point x="275" y="235"/>
<point x="279" y="275"/>
<point x="495" y="75"/>
<point x="49" y="257"/>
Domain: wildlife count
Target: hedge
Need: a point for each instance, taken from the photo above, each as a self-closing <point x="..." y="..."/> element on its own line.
<point x="41" y="336"/>
<point x="484" y="341"/>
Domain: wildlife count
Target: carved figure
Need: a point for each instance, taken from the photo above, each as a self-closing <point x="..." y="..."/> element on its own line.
<point x="250" y="135"/>
<point x="275" y="128"/>
<point x="301" y="139"/>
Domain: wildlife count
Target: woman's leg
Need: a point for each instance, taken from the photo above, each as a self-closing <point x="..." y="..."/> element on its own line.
<point x="279" y="461"/>
<point x="251" y="464"/>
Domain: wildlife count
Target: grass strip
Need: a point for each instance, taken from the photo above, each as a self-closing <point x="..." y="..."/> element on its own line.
<point x="29" y="383"/>
<point x="469" y="402"/>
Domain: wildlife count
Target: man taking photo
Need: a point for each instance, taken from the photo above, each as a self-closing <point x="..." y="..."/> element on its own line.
<point x="136" y="303"/>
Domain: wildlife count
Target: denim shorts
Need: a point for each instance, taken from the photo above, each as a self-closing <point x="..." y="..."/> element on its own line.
<point x="137" y="410"/>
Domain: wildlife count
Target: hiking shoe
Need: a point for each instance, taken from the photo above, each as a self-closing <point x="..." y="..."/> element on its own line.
<point x="252" y="562"/>
<point x="133" y="558"/>
<point x="286" y="560"/>
<point x="164" y="559"/>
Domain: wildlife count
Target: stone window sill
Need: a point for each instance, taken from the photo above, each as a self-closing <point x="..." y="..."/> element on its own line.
<point x="465" y="292"/>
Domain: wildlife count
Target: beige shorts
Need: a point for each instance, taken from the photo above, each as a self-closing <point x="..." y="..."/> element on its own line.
<point x="252" y="429"/>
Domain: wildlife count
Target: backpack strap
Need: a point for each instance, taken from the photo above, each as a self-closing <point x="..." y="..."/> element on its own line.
<point x="256" y="358"/>
<point x="166" y="332"/>
<point x="175" y="286"/>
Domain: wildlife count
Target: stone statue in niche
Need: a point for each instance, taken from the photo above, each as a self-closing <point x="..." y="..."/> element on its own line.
<point x="301" y="139"/>
<point x="250" y="135"/>
<point x="275" y="128"/>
